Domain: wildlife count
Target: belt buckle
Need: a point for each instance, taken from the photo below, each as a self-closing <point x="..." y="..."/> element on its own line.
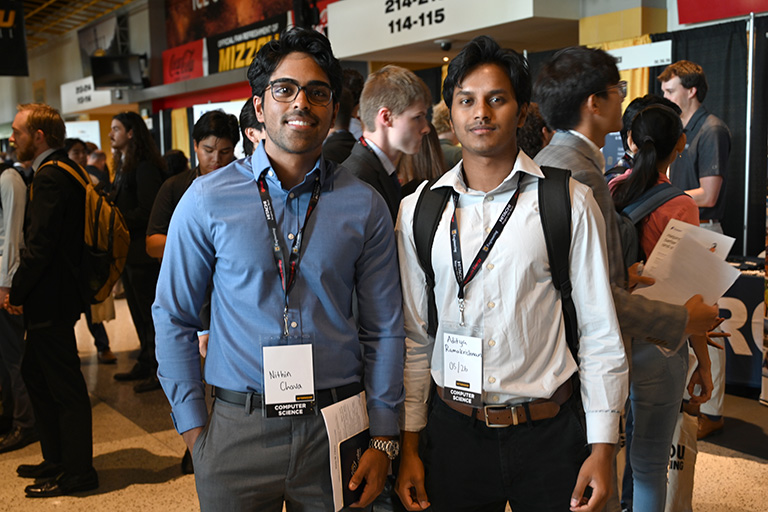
<point x="500" y="406"/>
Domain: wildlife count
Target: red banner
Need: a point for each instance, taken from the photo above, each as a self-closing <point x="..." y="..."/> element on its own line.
<point x="183" y="62"/>
<point x="696" y="11"/>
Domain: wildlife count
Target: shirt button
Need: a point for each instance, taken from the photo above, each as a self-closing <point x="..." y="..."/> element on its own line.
<point x="492" y="380"/>
<point x="490" y="266"/>
<point x="491" y="305"/>
<point x="491" y="343"/>
<point x="495" y="398"/>
<point x="487" y="230"/>
<point x="291" y="195"/>
<point x="489" y="198"/>
<point x="290" y="236"/>
<point x="294" y="325"/>
<point x="271" y="173"/>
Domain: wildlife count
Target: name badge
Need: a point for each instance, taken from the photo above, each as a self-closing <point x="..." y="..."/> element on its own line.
<point x="289" y="383"/>
<point x="463" y="369"/>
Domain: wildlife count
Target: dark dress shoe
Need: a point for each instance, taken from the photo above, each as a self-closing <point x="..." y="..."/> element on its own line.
<point x="18" y="438"/>
<point x="64" y="484"/>
<point x="138" y="372"/>
<point x="107" y="357"/>
<point x="187" y="468"/>
<point x="43" y="470"/>
<point x="150" y="384"/>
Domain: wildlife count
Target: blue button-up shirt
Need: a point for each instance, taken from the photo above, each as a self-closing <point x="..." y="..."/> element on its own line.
<point x="218" y="234"/>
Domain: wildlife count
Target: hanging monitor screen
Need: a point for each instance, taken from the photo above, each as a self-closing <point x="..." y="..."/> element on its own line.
<point x="116" y="72"/>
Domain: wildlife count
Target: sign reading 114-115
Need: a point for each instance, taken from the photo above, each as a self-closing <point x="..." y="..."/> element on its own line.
<point x="412" y="14"/>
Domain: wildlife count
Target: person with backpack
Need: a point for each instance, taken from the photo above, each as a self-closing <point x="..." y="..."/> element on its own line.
<point x="15" y="399"/>
<point x="76" y="151"/>
<point x="138" y="177"/>
<point x="658" y="379"/>
<point x="47" y="291"/>
<point x="506" y="418"/>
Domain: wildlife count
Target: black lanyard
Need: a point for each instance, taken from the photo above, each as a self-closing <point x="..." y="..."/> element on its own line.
<point x="286" y="270"/>
<point x="482" y="254"/>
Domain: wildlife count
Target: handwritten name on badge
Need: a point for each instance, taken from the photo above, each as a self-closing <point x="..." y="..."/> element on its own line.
<point x="288" y="380"/>
<point x="463" y="369"/>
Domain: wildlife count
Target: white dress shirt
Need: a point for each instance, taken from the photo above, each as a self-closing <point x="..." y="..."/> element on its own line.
<point x="514" y="304"/>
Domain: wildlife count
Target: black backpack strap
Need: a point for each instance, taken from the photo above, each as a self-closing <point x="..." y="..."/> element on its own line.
<point x="426" y="217"/>
<point x="650" y="200"/>
<point x="555" y="212"/>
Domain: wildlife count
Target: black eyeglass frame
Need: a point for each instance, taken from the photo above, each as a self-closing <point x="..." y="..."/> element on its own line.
<point x="306" y="88"/>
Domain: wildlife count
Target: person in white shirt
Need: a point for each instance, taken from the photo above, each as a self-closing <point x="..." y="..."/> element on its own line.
<point x="512" y="322"/>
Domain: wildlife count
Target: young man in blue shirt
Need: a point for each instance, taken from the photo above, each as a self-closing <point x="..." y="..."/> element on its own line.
<point x="285" y="238"/>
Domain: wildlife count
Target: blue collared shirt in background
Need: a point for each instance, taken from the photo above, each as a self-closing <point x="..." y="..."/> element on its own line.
<point x="219" y="233"/>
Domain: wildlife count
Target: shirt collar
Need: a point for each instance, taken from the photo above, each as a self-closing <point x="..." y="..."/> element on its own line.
<point x="39" y="160"/>
<point x="695" y="118"/>
<point x="585" y="139"/>
<point x="385" y="161"/>
<point x="260" y="162"/>
<point x="455" y="177"/>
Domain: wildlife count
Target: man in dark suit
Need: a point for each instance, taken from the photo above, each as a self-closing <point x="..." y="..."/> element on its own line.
<point x="393" y="108"/>
<point x="45" y="287"/>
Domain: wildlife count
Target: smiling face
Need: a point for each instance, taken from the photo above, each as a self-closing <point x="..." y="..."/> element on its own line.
<point x="298" y="126"/>
<point x="213" y="152"/>
<point x="407" y="129"/>
<point x="484" y="112"/>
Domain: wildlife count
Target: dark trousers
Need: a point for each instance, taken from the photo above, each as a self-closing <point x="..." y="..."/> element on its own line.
<point x="51" y="370"/>
<point x="140" y="282"/>
<point x="99" y="333"/>
<point x="471" y="467"/>
<point x="11" y="354"/>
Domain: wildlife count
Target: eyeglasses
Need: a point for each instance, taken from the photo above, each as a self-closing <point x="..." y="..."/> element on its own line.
<point x="621" y="87"/>
<point x="286" y="90"/>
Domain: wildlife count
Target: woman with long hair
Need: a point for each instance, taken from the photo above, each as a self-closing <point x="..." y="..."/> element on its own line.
<point x="657" y="379"/>
<point x="138" y="176"/>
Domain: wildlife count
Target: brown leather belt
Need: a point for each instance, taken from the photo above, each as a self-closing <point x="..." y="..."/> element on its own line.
<point x="509" y="415"/>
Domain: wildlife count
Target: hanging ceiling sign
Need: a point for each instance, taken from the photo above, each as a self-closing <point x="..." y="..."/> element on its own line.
<point x="81" y="95"/>
<point x="13" y="42"/>
<point x="365" y="26"/>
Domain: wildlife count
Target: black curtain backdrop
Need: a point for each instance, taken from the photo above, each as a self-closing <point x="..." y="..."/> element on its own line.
<point x="722" y="51"/>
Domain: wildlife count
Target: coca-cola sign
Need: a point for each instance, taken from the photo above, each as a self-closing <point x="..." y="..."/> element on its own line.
<point x="183" y="62"/>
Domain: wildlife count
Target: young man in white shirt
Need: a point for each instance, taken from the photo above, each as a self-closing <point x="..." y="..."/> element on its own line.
<point x="509" y="317"/>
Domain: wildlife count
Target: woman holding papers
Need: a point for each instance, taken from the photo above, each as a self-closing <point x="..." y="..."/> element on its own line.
<point x="658" y="378"/>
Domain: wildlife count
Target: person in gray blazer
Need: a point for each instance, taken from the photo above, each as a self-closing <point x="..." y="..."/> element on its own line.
<point x="580" y="93"/>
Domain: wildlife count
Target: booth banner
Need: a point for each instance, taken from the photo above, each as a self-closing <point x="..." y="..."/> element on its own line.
<point x="237" y="48"/>
<point x="743" y="308"/>
<point x="13" y="42"/>
<point x="184" y="62"/>
<point x="189" y="20"/>
<point x="696" y="11"/>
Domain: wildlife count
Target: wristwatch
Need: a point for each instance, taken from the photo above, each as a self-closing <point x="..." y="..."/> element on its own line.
<point x="390" y="448"/>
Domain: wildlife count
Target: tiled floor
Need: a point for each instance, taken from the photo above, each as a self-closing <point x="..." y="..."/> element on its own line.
<point x="137" y="453"/>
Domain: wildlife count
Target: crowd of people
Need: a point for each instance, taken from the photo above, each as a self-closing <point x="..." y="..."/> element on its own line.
<point x="411" y="261"/>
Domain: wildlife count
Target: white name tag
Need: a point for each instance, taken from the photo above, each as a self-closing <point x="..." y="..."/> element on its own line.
<point x="289" y="383"/>
<point x="463" y="369"/>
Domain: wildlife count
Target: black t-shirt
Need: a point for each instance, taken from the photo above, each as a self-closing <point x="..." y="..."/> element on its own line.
<point x="706" y="154"/>
<point x="167" y="199"/>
